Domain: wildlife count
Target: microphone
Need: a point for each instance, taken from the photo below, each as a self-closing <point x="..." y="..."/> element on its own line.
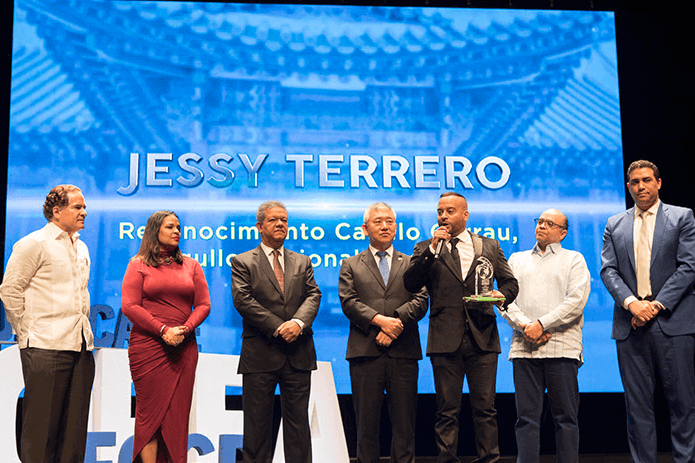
<point x="439" y="248"/>
<point x="440" y="244"/>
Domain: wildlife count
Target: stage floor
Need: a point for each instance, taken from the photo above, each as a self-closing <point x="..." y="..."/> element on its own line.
<point x="594" y="458"/>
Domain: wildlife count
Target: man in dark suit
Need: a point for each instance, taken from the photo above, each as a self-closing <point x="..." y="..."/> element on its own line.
<point x="463" y="338"/>
<point x="384" y="342"/>
<point x="648" y="266"/>
<point x="274" y="291"/>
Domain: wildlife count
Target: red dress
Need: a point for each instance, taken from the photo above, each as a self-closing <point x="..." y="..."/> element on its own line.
<point x="163" y="376"/>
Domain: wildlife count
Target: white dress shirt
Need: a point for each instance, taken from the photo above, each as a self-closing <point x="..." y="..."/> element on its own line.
<point x="465" y="250"/>
<point x="553" y="289"/>
<point x="45" y="291"/>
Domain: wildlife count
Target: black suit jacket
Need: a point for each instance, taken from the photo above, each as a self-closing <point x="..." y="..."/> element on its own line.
<point x="363" y="295"/>
<point x="448" y="310"/>
<point x="257" y="297"/>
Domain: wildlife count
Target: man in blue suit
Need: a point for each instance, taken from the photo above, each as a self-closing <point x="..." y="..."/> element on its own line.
<point x="648" y="266"/>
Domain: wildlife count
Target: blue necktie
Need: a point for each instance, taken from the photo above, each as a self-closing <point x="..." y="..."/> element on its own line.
<point x="383" y="266"/>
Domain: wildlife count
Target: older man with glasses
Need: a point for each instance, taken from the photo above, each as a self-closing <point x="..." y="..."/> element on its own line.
<point x="546" y="347"/>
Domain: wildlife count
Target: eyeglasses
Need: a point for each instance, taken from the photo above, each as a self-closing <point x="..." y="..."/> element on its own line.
<point x="548" y="223"/>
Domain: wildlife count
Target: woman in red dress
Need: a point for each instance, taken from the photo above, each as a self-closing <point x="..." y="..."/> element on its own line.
<point x="166" y="297"/>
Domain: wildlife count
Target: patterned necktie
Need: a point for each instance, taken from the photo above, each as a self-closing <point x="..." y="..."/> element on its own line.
<point x="642" y="257"/>
<point x="277" y="268"/>
<point x="383" y="266"/>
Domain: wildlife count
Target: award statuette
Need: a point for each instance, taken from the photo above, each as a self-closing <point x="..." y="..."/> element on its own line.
<point x="484" y="274"/>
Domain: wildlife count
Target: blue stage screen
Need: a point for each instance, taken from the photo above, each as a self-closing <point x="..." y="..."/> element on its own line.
<point x="210" y="109"/>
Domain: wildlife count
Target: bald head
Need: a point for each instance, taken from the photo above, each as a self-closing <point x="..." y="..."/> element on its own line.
<point x="551" y="228"/>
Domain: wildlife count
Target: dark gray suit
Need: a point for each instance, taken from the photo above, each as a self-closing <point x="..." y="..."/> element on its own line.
<point x="374" y="369"/>
<point x="267" y="360"/>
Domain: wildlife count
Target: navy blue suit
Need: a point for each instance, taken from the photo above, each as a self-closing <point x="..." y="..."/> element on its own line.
<point x="665" y="347"/>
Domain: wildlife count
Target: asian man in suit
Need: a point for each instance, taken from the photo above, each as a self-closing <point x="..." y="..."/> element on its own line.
<point x="384" y="341"/>
<point x="648" y="266"/>
<point x="274" y="290"/>
<point x="463" y="338"/>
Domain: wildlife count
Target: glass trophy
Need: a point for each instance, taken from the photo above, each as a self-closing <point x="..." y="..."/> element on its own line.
<point x="484" y="276"/>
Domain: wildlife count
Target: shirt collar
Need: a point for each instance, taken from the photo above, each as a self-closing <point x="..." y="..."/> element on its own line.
<point x="464" y="236"/>
<point x="267" y="250"/>
<point x="373" y="250"/>
<point x="553" y="247"/>
<point x="653" y="210"/>
<point x="55" y="232"/>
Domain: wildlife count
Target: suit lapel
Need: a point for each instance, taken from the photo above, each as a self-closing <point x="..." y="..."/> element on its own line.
<point x="659" y="227"/>
<point x="396" y="267"/>
<point x="264" y="264"/>
<point x="368" y="260"/>
<point x="290" y="270"/>
<point x="628" y="235"/>
<point x="477" y="252"/>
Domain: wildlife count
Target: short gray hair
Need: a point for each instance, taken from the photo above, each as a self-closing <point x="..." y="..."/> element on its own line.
<point x="260" y="213"/>
<point x="377" y="207"/>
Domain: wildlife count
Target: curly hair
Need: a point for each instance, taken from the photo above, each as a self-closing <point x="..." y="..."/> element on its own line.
<point x="57" y="197"/>
<point x="150" y="251"/>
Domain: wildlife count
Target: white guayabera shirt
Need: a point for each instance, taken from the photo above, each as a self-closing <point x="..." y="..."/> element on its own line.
<point x="44" y="291"/>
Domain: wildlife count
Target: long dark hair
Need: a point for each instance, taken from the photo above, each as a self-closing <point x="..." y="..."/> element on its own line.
<point x="150" y="252"/>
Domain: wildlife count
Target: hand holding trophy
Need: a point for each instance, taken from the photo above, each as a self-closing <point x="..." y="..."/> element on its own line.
<point x="484" y="275"/>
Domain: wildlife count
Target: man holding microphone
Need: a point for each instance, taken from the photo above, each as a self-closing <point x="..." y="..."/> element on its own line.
<point x="458" y="269"/>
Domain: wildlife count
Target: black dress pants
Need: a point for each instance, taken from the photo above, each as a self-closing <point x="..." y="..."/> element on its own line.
<point x="55" y="410"/>
<point x="449" y="370"/>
